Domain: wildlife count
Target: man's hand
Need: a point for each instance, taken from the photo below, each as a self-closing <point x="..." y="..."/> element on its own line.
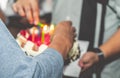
<point x="63" y="38"/>
<point x="88" y="60"/>
<point x="28" y="9"/>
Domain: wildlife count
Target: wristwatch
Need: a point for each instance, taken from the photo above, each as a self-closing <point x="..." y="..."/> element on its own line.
<point x="99" y="53"/>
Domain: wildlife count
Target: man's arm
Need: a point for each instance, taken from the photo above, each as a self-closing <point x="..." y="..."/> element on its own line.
<point x="49" y="64"/>
<point x="109" y="48"/>
<point x="112" y="46"/>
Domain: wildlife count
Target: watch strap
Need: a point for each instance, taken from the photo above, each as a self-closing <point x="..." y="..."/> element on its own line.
<point x="99" y="53"/>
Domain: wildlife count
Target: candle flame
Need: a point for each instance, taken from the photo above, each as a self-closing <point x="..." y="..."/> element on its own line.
<point x="52" y="27"/>
<point x="45" y="29"/>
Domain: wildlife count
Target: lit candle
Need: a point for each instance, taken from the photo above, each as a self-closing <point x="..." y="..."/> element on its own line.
<point x="33" y="34"/>
<point x="44" y="31"/>
<point x="52" y="27"/>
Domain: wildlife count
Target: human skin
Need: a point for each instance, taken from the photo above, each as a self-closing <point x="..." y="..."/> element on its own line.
<point x="63" y="32"/>
<point x="109" y="49"/>
<point x="28" y="9"/>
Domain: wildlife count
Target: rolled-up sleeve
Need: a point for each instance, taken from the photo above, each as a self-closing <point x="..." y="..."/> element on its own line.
<point x="15" y="64"/>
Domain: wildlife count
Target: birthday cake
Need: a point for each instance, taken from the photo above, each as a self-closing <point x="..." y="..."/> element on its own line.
<point x="36" y="39"/>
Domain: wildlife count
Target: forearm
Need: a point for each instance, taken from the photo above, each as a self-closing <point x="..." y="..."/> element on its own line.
<point x="56" y="44"/>
<point x="50" y="62"/>
<point x="112" y="46"/>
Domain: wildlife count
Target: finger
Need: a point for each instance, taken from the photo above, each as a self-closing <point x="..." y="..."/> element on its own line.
<point x="28" y="13"/>
<point x="14" y="7"/>
<point x="73" y="29"/>
<point x="36" y="18"/>
<point x="81" y="64"/>
<point x="74" y="36"/>
<point x="86" y="66"/>
<point x="21" y="12"/>
<point x="19" y="9"/>
<point x="84" y="60"/>
<point x="69" y="22"/>
<point x="35" y="10"/>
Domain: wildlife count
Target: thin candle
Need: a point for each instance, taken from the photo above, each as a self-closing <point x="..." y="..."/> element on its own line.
<point x="44" y="31"/>
<point x="33" y="34"/>
<point x="43" y="35"/>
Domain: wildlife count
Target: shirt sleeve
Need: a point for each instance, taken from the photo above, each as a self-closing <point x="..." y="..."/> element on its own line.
<point x="115" y="6"/>
<point x="15" y="64"/>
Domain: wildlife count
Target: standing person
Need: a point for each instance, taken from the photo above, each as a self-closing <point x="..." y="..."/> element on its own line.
<point x="15" y="64"/>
